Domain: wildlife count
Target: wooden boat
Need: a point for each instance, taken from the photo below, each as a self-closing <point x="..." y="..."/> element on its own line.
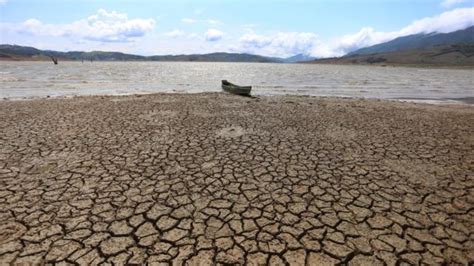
<point x="55" y="60"/>
<point x="235" y="89"/>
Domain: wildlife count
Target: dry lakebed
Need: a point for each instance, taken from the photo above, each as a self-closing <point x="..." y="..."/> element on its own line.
<point x="212" y="178"/>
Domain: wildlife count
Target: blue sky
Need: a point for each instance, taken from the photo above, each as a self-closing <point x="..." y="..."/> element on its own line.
<point x="274" y="28"/>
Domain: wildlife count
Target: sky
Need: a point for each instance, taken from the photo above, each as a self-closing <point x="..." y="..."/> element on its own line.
<point x="281" y="28"/>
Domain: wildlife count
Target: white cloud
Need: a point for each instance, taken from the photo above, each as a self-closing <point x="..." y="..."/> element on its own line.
<point x="255" y="41"/>
<point x="193" y="36"/>
<point x="351" y="42"/>
<point x="175" y="33"/>
<point x="213" y="21"/>
<point x="280" y="44"/>
<point x="103" y="27"/>
<point x="3" y="2"/>
<point x="213" y="35"/>
<point x="291" y="43"/>
<point x="450" y="3"/>
<point x="449" y="21"/>
<point x="189" y="20"/>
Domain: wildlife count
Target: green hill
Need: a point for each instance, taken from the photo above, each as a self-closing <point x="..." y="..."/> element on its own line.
<point x="420" y="41"/>
<point x="437" y="49"/>
<point x="447" y="55"/>
<point x="16" y="52"/>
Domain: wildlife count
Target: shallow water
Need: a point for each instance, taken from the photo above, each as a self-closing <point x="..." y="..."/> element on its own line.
<point x="41" y="79"/>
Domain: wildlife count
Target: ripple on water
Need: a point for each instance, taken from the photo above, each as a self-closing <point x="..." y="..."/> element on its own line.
<point x="267" y="79"/>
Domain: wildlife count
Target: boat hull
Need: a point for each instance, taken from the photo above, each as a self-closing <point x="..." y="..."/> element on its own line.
<point x="234" y="89"/>
<point x="237" y="90"/>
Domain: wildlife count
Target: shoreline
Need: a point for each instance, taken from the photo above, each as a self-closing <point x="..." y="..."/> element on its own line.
<point x="397" y="65"/>
<point x="393" y="65"/>
<point x="464" y="101"/>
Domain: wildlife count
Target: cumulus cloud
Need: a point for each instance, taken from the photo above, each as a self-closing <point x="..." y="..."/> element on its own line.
<point x="449" y="21"/>
<point x="193" y="36"/>
<point x="279" y="44"/>
<point x="213" y="35"/>
<point x="291" y="43"/>
<point x="450" y="3"/>
<point x="103" y="27"/>
<point x="175" y="33"/>
<point x="351" y="42"/>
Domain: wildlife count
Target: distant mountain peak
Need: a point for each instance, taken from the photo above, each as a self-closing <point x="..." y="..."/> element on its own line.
<point x="419" y="41"/>
<point x="298" y="58"/>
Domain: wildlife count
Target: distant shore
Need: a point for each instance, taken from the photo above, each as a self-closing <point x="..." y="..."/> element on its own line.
<point x="414" y="65"/>
<point x="321" y="62"/>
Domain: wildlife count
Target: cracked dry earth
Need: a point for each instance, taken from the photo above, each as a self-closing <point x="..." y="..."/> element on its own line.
<point x="219" y="179"/>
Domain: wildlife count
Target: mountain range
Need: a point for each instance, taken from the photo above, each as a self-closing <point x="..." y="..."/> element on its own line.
<point x="420" y="41"/>
<point x="450" y="49"/>
<point x="16" y="52"/>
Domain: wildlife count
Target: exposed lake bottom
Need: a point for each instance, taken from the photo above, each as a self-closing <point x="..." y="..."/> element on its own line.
<point x="214" y="178"/>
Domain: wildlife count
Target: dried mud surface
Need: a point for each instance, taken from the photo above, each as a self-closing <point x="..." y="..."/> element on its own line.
<point x="220" y="179"/>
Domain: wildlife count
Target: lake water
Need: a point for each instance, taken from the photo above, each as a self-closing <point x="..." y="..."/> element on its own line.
<point x="41" y="79"/>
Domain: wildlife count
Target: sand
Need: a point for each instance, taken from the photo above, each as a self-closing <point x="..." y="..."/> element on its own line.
<point x="216" y="178"/>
